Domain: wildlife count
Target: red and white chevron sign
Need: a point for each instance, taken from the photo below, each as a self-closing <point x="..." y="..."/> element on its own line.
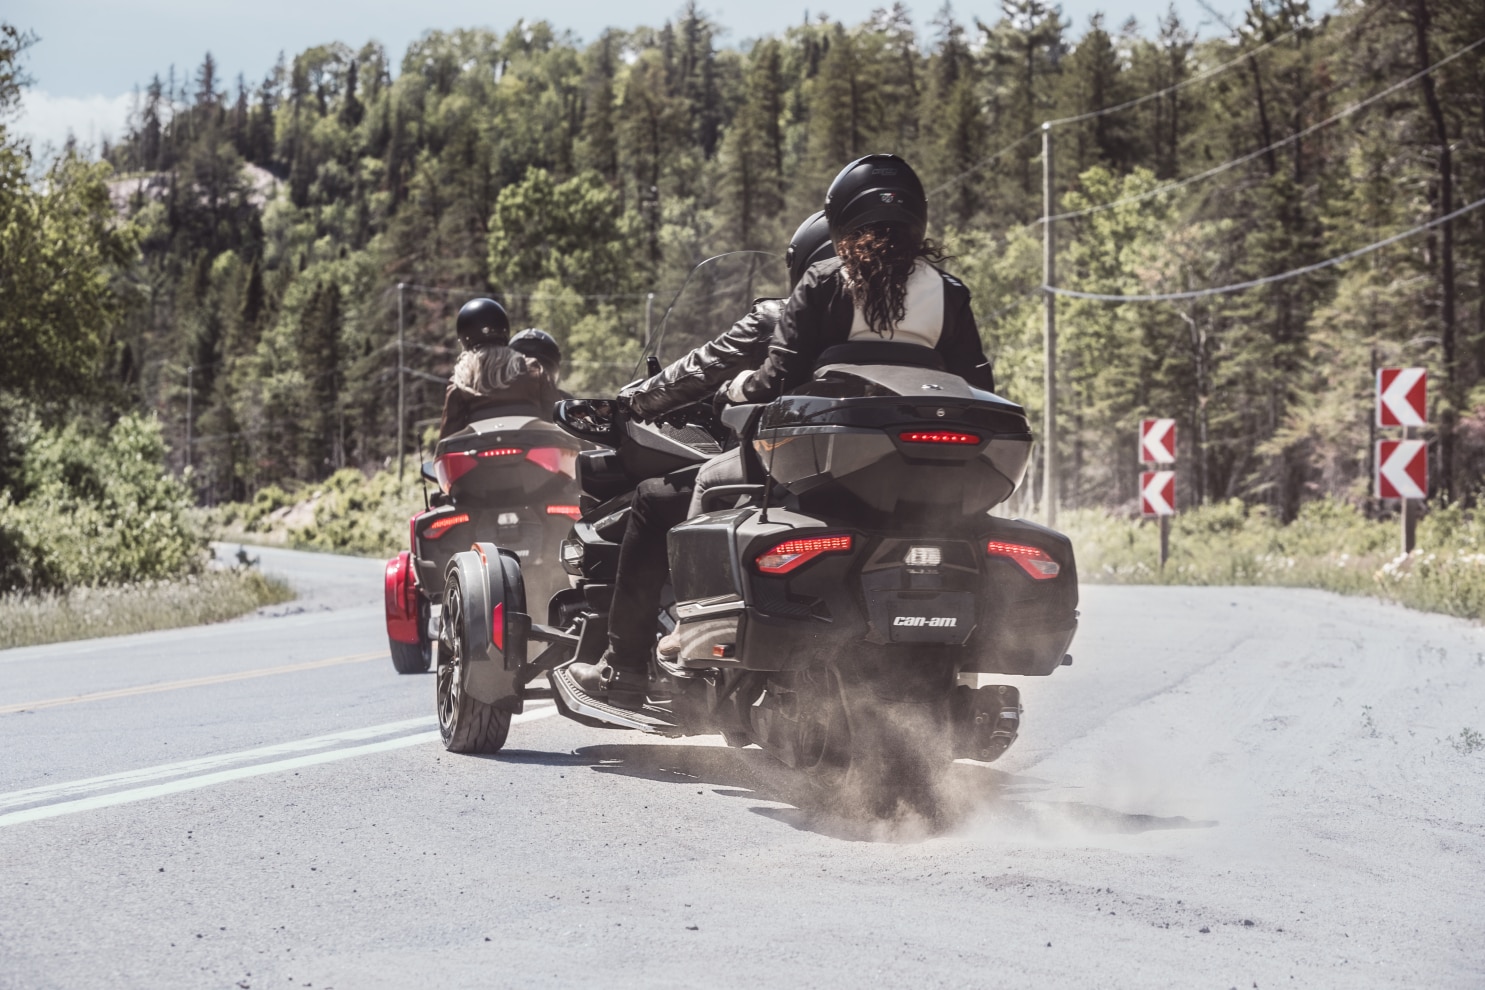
<point x="1158" y="493"/>
<point x="1402" y="469"/>
<point x="1402" y="397"/>
<point x="1158" y="441"/>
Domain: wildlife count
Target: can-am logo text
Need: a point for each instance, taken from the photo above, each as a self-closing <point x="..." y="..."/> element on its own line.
<point x="940" y="621"/>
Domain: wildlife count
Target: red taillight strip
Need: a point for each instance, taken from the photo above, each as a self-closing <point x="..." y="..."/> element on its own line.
<point x="938" y="436"/>
<point x="500" y="452"/>
<point x="570" y="511"/>
<point x="791" y="554"/>
<point x="1033" y="560"/>
<point x="440" y="526"/>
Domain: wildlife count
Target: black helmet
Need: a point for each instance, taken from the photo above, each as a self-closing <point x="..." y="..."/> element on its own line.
<point x="876" y="189"/>
<point x="482" y="322"/>
<point x="810" y="243"/>
<point x="538" y="344"/>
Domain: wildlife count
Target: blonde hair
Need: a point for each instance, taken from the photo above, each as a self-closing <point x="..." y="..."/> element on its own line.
<point x="489" y="369"/>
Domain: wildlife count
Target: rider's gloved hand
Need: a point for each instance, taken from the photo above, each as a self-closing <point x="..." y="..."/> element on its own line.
<point x="733" y="390"/>
<point x="625" y="403"/>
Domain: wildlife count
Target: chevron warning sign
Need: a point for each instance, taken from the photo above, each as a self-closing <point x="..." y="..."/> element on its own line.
<point x="1158" y="441"/>
<point x="1158" y="493"/>
<point x="1402" y="469"/>
<point x="1402" y="397"/>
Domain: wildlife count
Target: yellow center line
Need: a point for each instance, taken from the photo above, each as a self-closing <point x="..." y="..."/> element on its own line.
<point x="31" y="706"/>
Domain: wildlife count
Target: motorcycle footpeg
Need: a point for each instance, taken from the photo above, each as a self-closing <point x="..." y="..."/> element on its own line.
<point x="579" y="706"/>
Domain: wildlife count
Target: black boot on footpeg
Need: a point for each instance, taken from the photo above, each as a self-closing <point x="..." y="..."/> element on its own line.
<point x="620" y="686"/>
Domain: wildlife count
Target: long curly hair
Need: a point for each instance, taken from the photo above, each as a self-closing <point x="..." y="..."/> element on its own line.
<point x="489" y="369"/>
<point x="877" y="260"/>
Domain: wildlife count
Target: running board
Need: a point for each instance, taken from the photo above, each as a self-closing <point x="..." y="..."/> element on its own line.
<point x="588" y="710"/>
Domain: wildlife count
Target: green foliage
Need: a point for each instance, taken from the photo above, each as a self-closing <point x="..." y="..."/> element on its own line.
<point x="1330" y="545"/>
<point x="92" y="507"/>
<point x="360" y="515"/>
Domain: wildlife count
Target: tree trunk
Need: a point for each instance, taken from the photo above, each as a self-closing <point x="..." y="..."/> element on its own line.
<point x="1445" y="206"/>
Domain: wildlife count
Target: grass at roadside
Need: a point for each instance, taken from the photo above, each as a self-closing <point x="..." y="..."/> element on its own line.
<point x="213" y="596"/>
<point x="1330" y="546"/>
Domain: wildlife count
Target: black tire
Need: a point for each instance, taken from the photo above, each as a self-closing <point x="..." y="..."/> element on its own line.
<point x="466" y="724"/>
<point x="410" y="658"/>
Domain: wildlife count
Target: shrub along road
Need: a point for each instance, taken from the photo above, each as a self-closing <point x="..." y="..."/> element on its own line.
<point x="1229" y="788"/>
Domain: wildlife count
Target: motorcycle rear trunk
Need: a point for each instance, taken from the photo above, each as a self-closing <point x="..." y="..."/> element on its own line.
<point x="886" y="540"/>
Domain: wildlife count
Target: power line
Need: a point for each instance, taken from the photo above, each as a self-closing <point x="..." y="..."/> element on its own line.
<point x="512" y="295"/>
<point x="1242" y="159"/>
<point x="1269" y="279"/>
<point x="1199" y="77"/>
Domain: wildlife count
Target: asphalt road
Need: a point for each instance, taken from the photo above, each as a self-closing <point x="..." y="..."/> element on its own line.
<point x="1230" y="788"/>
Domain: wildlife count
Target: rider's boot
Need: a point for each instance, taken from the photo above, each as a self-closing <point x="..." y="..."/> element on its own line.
<point x="612" y="680"/>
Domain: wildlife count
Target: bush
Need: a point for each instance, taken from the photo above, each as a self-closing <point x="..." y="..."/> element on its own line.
<point x="360" y="515"/>
<point x="1331" y="545"/>
<point x="95" y="507"/>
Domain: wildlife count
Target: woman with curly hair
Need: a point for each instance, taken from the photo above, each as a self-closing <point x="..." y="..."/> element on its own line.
<point x="883" y="285"/>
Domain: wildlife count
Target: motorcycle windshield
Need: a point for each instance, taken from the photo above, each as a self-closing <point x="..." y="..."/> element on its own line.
<point x="710" y="298"/>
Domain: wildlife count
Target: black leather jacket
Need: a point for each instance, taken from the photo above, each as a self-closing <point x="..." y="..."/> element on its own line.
<point x="710" y="366"/>
<point x="819" y="314"/>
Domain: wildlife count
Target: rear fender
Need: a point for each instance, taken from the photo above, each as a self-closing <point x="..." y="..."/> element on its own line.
<point x="496" y="624"/>
<point x="401" y="599"/>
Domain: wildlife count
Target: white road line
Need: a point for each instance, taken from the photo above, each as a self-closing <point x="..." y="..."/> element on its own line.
<point x="225" y="776"/>
<point x="202" y="764"/>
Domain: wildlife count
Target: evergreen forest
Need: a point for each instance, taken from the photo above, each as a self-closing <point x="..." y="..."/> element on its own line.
<point x="244" y="243"/>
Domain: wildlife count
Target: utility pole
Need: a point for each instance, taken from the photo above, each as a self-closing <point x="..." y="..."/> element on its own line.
<point x="190" y="409"/>
<point x="649" y="316"/>
<point x="401" y="397"/>
<point x="1049" y="336"/>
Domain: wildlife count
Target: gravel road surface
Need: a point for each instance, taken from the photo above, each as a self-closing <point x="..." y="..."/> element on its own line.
<point x="1229" y="788"/>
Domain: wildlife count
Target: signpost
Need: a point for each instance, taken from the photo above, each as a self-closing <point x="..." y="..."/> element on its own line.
<point x="1158" y="441"/>
<point x="1158" y="488"/>
<point x="1402" y="469"/>
<point x="1402" y="397"/>
<point x="1402" y="465"/>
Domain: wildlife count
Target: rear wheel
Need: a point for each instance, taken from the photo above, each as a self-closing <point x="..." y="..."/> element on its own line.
<point x="410" y="658"/>
<point x="865" y="750"/>
<point x="467" y="724"/>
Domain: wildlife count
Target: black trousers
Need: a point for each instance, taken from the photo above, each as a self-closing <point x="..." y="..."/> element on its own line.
<point x="660" y="504"/>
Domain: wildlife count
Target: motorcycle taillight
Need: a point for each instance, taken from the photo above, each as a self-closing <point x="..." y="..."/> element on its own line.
<point x="1033" y="560"/>
<point x="938" y="436"/>
<point x="442" y="526"/>
<point x="792" y="554"/>
<point x="558" y="460"/>
<point x="570" y="511"/>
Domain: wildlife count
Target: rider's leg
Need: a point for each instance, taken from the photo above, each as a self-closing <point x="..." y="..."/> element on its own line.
<point x="724" y="469"/>
<point x="623" y="671"/>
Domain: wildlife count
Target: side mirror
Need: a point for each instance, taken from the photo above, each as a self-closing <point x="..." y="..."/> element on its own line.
<point x="652" y="366"/>
<point x="429" y="474"/>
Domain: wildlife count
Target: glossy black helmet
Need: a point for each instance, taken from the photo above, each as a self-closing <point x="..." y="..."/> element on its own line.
<point x="538" y="344"/>
<point x="810" y="243"/>
<point x="482" y="322"/>
<point x="876" y="189"/>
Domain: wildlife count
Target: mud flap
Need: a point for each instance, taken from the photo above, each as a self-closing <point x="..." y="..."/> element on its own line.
<point x="401" y="600"/>
<point x="495" y="624"/>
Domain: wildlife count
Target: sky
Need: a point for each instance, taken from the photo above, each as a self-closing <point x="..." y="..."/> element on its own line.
<point x="93" y="53"/>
